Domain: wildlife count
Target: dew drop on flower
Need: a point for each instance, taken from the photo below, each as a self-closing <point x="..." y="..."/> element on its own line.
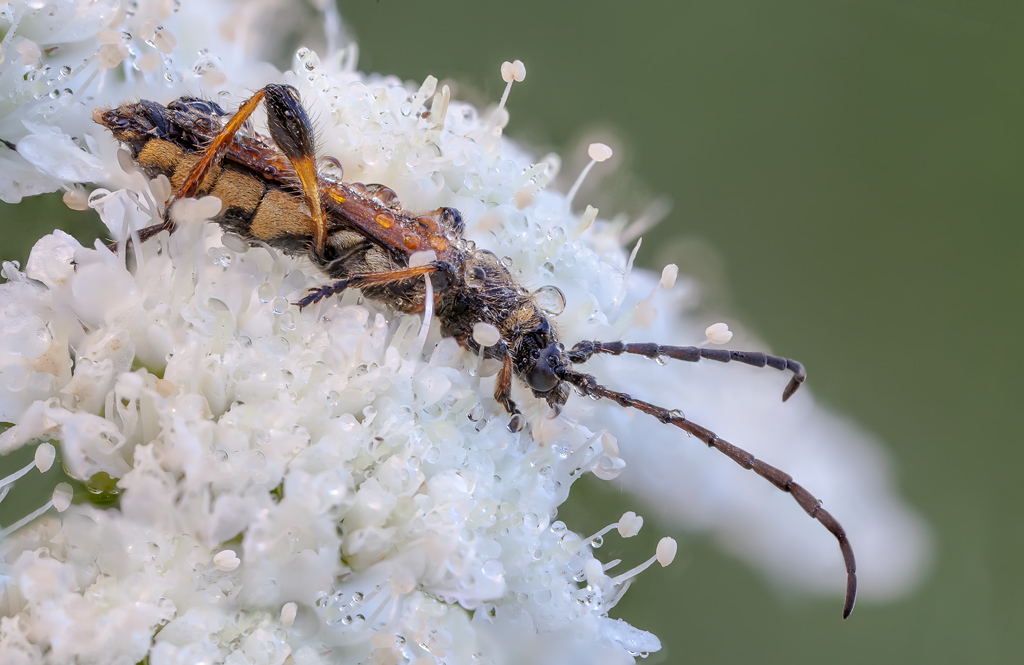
<point x="266" y="292"/>
<point x="516" y="423"/>
<point x="550" y="299"/>
<point x="331" y="168"/>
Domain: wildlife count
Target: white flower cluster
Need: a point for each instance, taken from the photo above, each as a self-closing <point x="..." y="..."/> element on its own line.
<point x="332" y="485"/>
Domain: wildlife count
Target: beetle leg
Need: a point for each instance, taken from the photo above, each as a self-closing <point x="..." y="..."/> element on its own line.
<point x="317" y="294"/>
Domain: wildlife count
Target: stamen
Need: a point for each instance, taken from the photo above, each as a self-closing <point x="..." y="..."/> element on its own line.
<point x="664" y="554"/>
<point x="60" y="499"/>
<point x="585" y="221"/>
<point x="628" y="526"/>
<point x="644" y="313"/>
<point x="510" y="73"/>
<point x="439" y="108"/>
<point x="598" y="152"/>
<point x="422" y="95"/>
<point x="428" y="311"/>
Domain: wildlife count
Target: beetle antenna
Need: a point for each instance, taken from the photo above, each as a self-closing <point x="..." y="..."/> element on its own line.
<point x="582" y="352"/>
<point x="588" y="385"/>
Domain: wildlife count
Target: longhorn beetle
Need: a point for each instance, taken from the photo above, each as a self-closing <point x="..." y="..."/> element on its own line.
<point x="362" y="238"/>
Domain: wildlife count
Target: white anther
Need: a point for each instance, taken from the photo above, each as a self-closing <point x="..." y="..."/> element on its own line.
<point x="288" y="612"/>
<point x="109" y="56"/>
<point x="129" y="385"/>
<point x="76" y="199"/>
<point x="666" y="551"/>
<point x="513" y="71"/>
<point x="165" y="41"/>
<point x="29" y="50"/>
<point x="226" y="561"/>
<point x="423" y="258"/>
<point x="669" y="275"/>
<point x="518" y="71"/>
<point x="439" y="107"/>
<point x="589" y="215"/>
<point x="109" y="37"/>
<point x="62" y="494"/>
<point x="610" y="445"/>
<point x="160" y="187"/>
<point x="485" y="334"/>
<point x="630" y="524"/>
<point x="125" y="161"/>
<point x="45" y="454"/>
<point x="599" y="152"/>
<point x="384" y="641"/>
<point x="149" y="28"/>
<point x="718" y="333"/>
<point x="189" y="211"/>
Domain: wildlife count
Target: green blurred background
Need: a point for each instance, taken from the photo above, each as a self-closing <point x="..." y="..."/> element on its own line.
<point x="855" y="167"/>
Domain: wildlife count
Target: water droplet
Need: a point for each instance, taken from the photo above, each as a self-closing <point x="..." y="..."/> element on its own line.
<point x="661" y="360"/>
<point x="516" y="423"/>
<point x="597" y="542"/>
<point x="280" y="305"/>
<point x="331" y="169"/>
<point x="266" y="292"/>
<point x="550" y="299"/>
<point x="65" y="72"/>
<point x="507" y="261"/>
<point x="357" y="597"/>
<point x="676" y="413"/>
